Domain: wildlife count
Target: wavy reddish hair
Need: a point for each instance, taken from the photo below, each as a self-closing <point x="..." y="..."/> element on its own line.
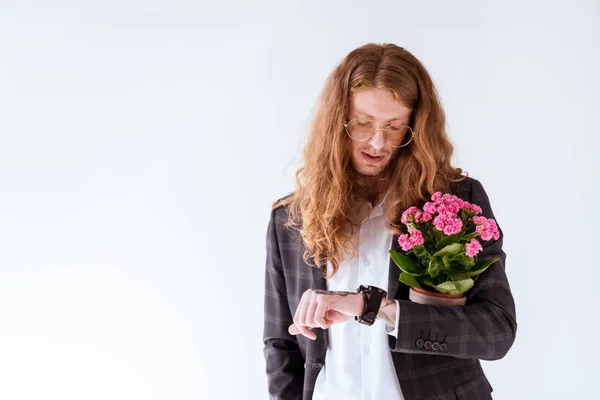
<point x="327" y="184"/>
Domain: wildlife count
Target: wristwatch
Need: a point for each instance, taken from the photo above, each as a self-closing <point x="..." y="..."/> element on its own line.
<point x="372" y="297"/>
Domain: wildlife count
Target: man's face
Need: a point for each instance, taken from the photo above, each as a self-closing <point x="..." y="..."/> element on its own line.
<point x="378" y="106"/>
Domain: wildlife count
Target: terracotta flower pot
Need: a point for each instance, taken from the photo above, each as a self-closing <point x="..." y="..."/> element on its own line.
<point x="423" y="296"/>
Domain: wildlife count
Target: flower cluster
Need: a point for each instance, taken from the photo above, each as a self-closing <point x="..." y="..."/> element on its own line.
<point x="444" y="212"/>
<point x="486" y="227"/>
<point x="473" y="247"/>
<point x="442" y="243"/>
<point x="408" y="242"/>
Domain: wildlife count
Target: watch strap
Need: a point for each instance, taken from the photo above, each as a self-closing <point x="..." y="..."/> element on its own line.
<point x="371" y="304"/>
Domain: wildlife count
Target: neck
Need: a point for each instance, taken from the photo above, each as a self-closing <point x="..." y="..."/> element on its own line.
<point x="370" y="188"/>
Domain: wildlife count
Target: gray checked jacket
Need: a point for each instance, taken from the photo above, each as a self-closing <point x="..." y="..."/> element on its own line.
<point x="436" y="354"/>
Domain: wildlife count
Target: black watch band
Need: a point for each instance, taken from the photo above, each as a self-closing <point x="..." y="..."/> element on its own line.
<point x="371" y="303"/>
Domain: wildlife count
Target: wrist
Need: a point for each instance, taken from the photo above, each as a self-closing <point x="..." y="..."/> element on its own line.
<point x="360" y="304"/>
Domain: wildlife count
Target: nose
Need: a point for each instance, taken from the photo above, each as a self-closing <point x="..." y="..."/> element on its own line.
<point x="378" y="140"/>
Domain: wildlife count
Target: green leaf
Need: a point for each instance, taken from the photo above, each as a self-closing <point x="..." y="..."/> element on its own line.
<point x="464" y="259"/>
<point x="448" y="240"/>
<point x="409" y="280"/>
<point x="446" y="261"/>
<point x="428" y="235"/>
<point x="455" y="287"/>
<point x="470" y="236"/>
<point x="450" y="250"/>
<point x="436" y="265"/>
<point x="420" y="251"/>
<point x="456" y="275"/>
<point x="481" y="266"/>
<point x="427" y="282"/>
<point x="407" y="264"/>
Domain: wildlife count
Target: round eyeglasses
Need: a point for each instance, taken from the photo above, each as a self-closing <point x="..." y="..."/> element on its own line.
<point x="361" y="129"/>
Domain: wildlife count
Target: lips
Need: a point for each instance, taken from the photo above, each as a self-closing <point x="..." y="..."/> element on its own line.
<point x="371" y="158"/>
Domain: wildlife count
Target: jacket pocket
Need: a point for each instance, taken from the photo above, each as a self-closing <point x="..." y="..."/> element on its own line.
<point x="477" y="388"/>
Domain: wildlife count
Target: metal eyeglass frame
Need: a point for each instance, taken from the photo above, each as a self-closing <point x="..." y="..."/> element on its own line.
<point x="376" y="129"/>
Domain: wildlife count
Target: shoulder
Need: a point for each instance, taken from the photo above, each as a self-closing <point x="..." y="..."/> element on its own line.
<point x="280" y="209"/>
<point x="278" y="203"/>
<point x="469" y="189"/>
<point x="473" y="191"/>
<point x="462" y="189"/>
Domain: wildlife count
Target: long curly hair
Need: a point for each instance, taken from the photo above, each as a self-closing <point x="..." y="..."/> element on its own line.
<point x="327" y="184"/>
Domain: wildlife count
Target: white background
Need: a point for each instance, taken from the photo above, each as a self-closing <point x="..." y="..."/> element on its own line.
<point x="142" y="143"/>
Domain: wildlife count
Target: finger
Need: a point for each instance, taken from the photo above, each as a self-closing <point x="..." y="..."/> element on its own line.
<point x="335" y="317"/>
<point x="310" y="311"/>
<point x="295" y="329"/>
<point x="320" y="312"/>
<point x="302" y="307"/>
<point x="297" y="313"/>
<point x="300" y="310"/>
<point x="300" y="315"/>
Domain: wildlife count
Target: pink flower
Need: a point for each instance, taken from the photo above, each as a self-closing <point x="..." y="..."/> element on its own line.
<point x="407" y="214"/>
<point x="479" y="220"/>
<point x="448" y="203"/>
<point x="474" y="208"/>
<point x="444" y="203"/>
<point x="448" y="223"/>
<point x="429" y="208"/>
<point x="473" y="247"/>
<point x="415" y="239"/>
<point x="418" y="215"/>
<point x="454" y="227"/>
<point x="486" y="228"/>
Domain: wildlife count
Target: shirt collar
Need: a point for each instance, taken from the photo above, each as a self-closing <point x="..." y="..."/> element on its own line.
<point x="365" y="209"/>
<point x="381" y="207"/>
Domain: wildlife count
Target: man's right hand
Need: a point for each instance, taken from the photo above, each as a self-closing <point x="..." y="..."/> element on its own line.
<point x="323" y="308"/>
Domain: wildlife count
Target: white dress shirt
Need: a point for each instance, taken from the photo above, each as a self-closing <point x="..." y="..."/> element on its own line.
<point x="358" y="363"/>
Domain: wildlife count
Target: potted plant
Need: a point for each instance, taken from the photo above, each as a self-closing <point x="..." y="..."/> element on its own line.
<point x="439" y="260"/>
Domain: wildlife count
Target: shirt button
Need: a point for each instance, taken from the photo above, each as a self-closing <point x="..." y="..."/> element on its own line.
<point x="367" y="350"/>
<point x="366" y="262"/>
<point x="367" y="396"/>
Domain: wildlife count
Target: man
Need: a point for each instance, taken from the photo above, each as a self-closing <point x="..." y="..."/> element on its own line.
<point x="377" y="145"/>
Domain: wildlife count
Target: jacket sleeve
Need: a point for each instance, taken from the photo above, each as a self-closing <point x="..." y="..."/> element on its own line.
<point x="284" y="360"/>
<point x="484" y="328"/>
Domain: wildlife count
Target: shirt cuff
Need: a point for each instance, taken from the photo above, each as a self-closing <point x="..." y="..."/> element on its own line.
<point x="394" y="332"/>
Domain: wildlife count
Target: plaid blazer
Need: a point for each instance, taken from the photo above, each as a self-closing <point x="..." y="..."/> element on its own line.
<point x="436" y="354"/>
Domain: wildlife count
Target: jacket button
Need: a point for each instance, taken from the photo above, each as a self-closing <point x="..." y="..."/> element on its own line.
<point x="419" y="343"/>
<point x="443" y="347"/>
<point x="317" y="366"/>
<point x="435" y="346"/>
<point x="427" y="345"/>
